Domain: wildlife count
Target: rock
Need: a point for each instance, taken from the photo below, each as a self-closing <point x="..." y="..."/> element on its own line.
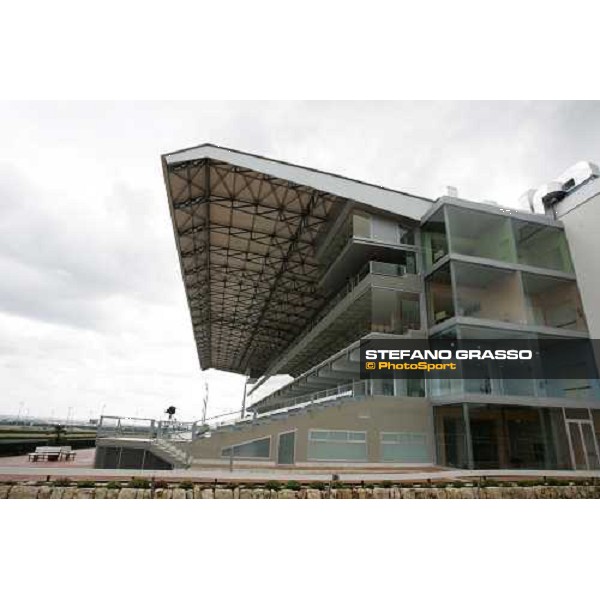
<point x="208" y="494"/>
<point x="223" y="494"/>
<point x="4" y="489"/>
<point x="101" y="493"/>
<point x="381" y="493"/>
<point x="84" y="494"/>
<point x="363" y="493"/>
<point x="112" y="493"/>
<point x="312" y="494"/>
<point x="69" y="493"/>
<point x="287" y="495"/>
<point x="345" y="493"/>
<point x="178" y="494"/>
<point x="18" y="492"/>
<point x="163" y="494"/>
<point x="57" y="493"/>
<point x="245" y="494"/>
<point x="128" y="494"/>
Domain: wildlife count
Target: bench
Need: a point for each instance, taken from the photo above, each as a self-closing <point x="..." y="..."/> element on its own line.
<point x="68" y="453"/>
<point x="45" y="453"/>
<point x="52" y="453"/>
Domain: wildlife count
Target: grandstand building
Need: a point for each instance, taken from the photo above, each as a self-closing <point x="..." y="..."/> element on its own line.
<point x="287" y="268"/>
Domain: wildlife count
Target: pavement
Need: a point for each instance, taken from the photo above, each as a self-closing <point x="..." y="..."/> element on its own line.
<point x="18" y="468"/>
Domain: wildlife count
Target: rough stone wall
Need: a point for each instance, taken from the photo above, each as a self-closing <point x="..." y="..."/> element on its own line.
<point x="206" y="492"/>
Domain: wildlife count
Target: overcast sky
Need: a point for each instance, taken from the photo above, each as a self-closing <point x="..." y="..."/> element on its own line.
<point x="92" y="308"/>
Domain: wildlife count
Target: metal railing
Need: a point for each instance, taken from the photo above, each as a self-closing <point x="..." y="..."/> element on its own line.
<point x="149" y="429"/>
<point x="355" y="389"/>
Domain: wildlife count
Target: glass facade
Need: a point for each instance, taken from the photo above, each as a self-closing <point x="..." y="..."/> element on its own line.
<point x="254" y="449"/>
<point x="337" y="445"/>
<point x="488" y="293"/>
<point x="393" y="311"/>
<point x="553" y="302"/>
<point x="540" y="246"/>
<point x="481" y="234"/>
<point x="434" y="240"/>
<point x="440" y="301"/>
<point x="404" y="448"/>
<point x="491" y="436"/>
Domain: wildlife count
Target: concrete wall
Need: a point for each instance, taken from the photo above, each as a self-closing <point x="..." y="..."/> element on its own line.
<point x="374" y="414"/>
<point x="581" y="223"/>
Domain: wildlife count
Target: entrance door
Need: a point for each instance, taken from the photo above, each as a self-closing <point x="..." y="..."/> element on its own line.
<point x="584" y="451"/>
<point x="285" y="448"/>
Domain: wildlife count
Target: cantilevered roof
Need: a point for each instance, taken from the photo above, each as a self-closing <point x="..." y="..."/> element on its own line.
<point x="246" y="229"/>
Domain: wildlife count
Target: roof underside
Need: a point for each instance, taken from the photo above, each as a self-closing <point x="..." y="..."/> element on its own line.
<point x="246" y="240"/>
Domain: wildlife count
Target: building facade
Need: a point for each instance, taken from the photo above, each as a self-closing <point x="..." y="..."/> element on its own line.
<point x="287" y="269"/>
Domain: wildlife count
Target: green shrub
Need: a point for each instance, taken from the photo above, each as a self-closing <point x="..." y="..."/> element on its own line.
<point x="114" y="485"/>
<point x="186" y="485"/>
<point x="139" y="483"/>
<point x="293" y="485"/>
<point x="160" y="483"/>
<point x="273" y="485"/>
<point x="86" y="483"/>
<point x="317" y="485"/>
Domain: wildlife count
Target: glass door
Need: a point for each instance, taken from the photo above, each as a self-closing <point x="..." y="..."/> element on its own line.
<point x="584" y="452"/>
<point x="286" y="448"/>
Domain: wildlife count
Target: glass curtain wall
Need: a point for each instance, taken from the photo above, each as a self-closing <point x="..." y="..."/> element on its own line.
<point x="481" y="234"/>
<point x="434" y="239"/>
<point x="501" y="437"/>
<point x="553" y="302"/>
<point x="542" y="246"/>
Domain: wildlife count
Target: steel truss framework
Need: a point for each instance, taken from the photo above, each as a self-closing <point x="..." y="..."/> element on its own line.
<point x="246" y="243"/>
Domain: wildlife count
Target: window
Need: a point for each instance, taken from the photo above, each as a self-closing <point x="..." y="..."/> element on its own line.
<point x="254" y="449"/>
<point x="481" y="234"/>
<point x="405" y="236"/>
<point x="553" y="302"/>
<point x="435" y="244"/>
<point x="542" y="246"/>
<point x="361" y="223"/>
<point x="488" y="293"/>
<point x="337" y="445"/>
<point x="440" y="303"/>
<point x="404" y="447"/>
<point x="393" y="312"/>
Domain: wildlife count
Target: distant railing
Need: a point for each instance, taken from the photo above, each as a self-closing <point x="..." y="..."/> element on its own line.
<point x="355" y="389"/>
<point x="150" y="429"/>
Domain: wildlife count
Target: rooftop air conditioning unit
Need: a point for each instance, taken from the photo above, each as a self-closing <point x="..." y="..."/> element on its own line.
<point x="579" y="173"/>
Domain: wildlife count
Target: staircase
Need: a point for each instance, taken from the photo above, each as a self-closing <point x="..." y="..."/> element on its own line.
<point x="171" y="453"/>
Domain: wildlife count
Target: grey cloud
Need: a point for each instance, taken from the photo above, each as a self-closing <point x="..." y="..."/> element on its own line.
<point x="60" y="260"/>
